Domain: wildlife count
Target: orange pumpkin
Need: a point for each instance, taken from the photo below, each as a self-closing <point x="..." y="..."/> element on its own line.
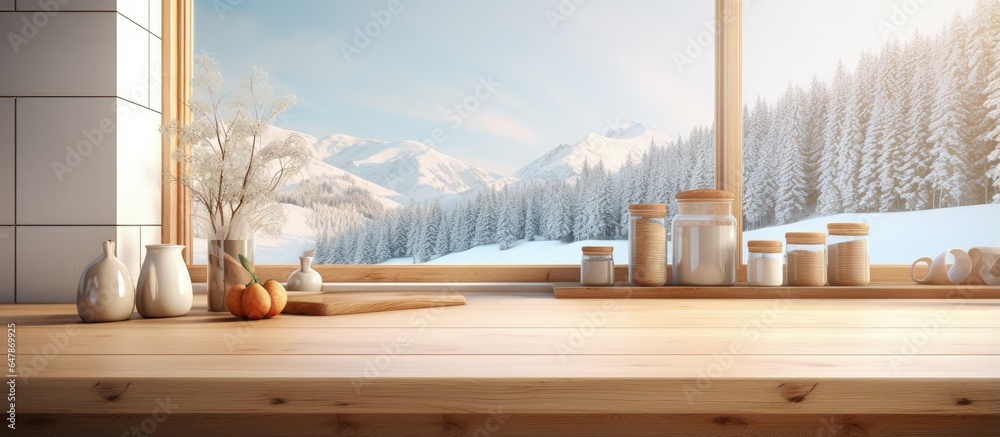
<point x="255" y="301"/>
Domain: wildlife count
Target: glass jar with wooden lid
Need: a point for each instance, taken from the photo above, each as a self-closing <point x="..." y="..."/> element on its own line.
<point x="704" y="238"/>
<point x="764" y="263"/>
<point x="647" y="244"/>
<point x="597" y="267"/>
<point x="806" y="259"/>
<point x="849" y="254"/>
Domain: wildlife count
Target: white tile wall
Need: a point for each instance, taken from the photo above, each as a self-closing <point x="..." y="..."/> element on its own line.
<point x="86" y="60"/>
<point x="129" y="248"/>
<point x="65" y="68"/>
<point x="6" y="161"/>
<point x="156" y="17"/>
<point x="132" y="62"/>
<point x="50" y="260"/>
<point x="155" y="73"/>
<point x="66" y="166"/>
<point x="72" y="5"/>
<point x="6" y="264"/>
<point x="135" y="10"/>
<point x="139" y="172"/>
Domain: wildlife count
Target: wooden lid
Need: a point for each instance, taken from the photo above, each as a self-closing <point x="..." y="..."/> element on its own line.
<point x="648" y="209"/>
<point x="805" y="237"/>
<point x="705" y="194"/>
<point x="597" y="250"/>
<point x="848" y="229"/>
<point x="764" y="246"/>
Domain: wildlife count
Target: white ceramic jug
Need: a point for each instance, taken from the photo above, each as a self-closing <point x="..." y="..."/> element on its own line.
<point x="106" y="292"/>
<point x="164" y="283"/>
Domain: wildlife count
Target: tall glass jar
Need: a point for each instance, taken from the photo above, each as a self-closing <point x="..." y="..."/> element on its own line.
<point x="225" y="270"/>
<point x="806" y="259"/>
<point x="647" y="244"/>
<point x="849" y="254"/>
<point x="704" y="241"/>
<point x="764" y="263"/>
<point x="597" y="267"/>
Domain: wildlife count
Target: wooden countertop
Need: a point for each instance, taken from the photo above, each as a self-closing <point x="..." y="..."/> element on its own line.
<point x="525" y="364"/>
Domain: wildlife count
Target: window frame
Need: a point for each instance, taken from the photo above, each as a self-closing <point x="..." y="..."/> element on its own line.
<point x="178" y="21"/>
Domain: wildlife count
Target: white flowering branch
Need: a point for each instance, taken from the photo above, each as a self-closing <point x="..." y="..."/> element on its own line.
<point x="232" y="175"/>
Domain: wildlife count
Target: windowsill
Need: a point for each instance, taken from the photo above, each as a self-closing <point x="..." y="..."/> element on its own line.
<point x="563" y="290"/>
<point x="745" y="291"/>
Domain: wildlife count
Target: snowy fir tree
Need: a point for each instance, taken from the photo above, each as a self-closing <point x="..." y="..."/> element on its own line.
<point x="914" y="186"/>
<point x="950" y="127"/>
<point x="790" y="197"/>
<point x="990" y="12"/>
<point x="828" y="201"/>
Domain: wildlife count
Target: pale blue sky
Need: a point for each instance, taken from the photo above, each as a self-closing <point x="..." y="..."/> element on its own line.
<point x="605" y="60"/>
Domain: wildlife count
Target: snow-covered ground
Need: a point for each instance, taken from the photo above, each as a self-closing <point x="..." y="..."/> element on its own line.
<point x="902" y="237"/>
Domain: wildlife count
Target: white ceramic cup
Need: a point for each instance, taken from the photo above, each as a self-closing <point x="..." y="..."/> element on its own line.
<point x="985" y="266"/>
<point x="940" y="273"/>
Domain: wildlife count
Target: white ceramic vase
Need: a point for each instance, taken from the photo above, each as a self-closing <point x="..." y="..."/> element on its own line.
<point x="164" y="288"/>
<point x="106" y="292"/>
<point x="305" y="279"/>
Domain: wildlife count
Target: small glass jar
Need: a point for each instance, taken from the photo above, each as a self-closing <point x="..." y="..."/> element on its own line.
<point x="850" y="261"/>
<point x="647" y="244"/>
<point x="597" y="268"/>
<point x="806" y="259"/>
<point x="764" y="263"/>
<point x="704" y="238"/>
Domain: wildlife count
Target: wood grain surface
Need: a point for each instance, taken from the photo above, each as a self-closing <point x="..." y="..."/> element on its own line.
<point x="545" y="366"/>
<point x="502" y="423"/>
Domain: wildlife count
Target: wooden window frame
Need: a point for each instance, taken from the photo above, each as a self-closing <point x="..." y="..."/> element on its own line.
<point x="177" y="229"/>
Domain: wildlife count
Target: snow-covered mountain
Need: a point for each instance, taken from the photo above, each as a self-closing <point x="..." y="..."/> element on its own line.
<point x="410" y="168"/>
<point x="613" y="149"/>
<point x="316" y="170"/>
<point x="402" y="172"/>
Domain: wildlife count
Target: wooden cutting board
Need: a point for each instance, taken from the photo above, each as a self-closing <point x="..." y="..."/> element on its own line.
<point x="355" y="302"/>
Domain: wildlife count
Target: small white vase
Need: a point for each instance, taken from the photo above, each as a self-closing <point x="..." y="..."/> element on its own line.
<point x="164" y="283"/>
<point x="305" y="279"/>
<point x="106" y="292"/>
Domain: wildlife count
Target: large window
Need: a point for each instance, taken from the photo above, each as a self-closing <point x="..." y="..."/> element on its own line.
<point x="873" y="111"/>
<point x="461" y="132"/>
